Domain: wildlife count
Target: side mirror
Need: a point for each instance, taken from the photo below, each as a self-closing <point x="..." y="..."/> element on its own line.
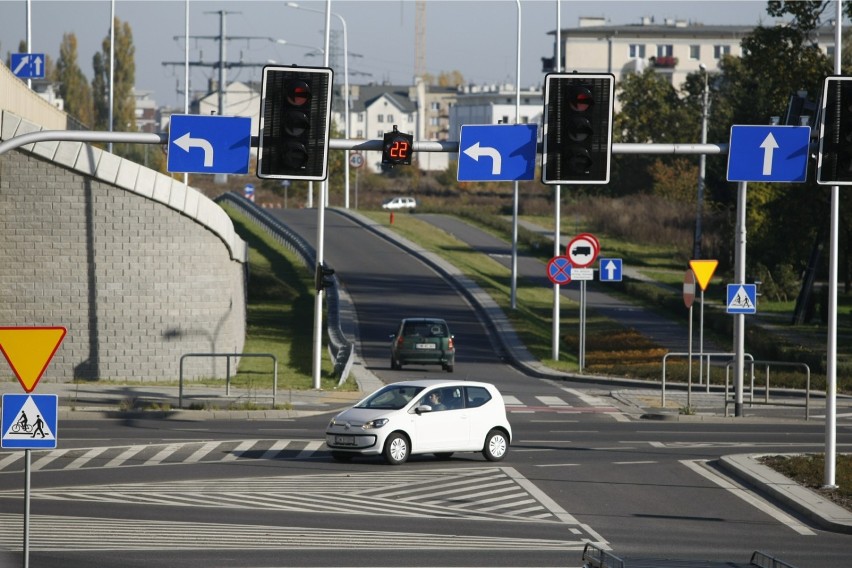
<point x="423" y="408"/>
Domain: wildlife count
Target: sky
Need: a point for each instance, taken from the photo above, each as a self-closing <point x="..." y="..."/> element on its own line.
<point x="478" y="38"/>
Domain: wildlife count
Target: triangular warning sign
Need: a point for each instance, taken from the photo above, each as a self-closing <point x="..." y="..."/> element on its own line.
<point x="703" y="270"/>
<point x="29" y="351"/>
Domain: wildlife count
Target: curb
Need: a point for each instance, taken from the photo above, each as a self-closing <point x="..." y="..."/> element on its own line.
<point x="821" y="511"/>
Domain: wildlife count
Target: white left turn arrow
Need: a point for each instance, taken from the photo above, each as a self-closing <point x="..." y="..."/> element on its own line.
<point x="186" y="142"/>
<point x="476" y="151"/>
<point x="769" y="144"/>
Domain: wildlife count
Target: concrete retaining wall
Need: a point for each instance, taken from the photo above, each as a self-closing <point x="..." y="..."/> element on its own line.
<point x="139" y="268"/>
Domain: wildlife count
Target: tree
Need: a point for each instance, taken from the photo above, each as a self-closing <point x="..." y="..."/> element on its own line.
<point x="124" y="78"/>
<point x="73" y="86"/>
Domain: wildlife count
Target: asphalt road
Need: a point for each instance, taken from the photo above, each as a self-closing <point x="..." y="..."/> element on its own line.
<point x="252" y="493"/>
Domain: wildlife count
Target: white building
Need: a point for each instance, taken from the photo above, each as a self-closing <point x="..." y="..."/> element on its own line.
<point x="495" y="104"/>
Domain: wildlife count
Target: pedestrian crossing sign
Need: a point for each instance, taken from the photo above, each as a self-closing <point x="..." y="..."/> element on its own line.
<point x="742" y="299"/>
<point x="29" y="421"/>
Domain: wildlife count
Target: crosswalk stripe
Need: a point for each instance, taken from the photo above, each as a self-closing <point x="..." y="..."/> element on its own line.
<point x="310" y="448"/>
<point x="238" y="452"/>
<point x="205" y="449"/>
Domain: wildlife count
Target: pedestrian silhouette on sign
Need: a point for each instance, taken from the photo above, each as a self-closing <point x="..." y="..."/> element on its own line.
<point x="39" y="423"/>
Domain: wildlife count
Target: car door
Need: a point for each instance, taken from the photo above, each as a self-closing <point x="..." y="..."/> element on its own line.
<point x="444" y="429"/>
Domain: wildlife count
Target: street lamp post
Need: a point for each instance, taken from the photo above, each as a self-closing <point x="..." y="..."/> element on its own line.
<point x="345" y="96"/>
<point x="696" y="246"/>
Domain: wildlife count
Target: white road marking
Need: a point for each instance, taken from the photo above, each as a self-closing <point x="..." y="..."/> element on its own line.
<point x="698" y="467"/>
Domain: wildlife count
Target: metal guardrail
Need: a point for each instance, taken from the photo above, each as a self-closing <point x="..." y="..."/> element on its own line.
<point x="228" y="357"/>
<point x="596" y="557"/>
<point x="700" y="361"/>
<point x="766" y="400"/>
<point x="341" y="349"/>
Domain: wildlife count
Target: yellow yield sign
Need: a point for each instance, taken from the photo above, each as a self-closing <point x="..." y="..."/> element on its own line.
<point x="703" y="270"/>
<point x="29" y="350"/>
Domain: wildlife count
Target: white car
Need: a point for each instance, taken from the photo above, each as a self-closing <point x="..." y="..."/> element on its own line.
<point x="421" y="417"/>
<point x="400" y="203"/>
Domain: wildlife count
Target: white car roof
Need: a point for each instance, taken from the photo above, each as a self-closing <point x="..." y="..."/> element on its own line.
<point x="441" y="382"/>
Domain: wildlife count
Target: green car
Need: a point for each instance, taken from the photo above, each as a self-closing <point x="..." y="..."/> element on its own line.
<point x="424" y="341"/>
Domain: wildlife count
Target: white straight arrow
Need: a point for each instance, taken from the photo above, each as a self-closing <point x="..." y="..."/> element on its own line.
<point x="186" y="142"/>
<point x="37" y="62"/>
<point x="610" y="270"/>
<point x="476" y="151"/>
<point x="769" y="144"/>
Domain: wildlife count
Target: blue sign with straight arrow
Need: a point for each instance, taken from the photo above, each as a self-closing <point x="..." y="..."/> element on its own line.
<point x="769" y="153"/>
<point x="497" y="152"/>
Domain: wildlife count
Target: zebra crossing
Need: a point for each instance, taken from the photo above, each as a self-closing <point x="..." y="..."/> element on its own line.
<point x="555" y="404"/>
<point x="491" y="493"/>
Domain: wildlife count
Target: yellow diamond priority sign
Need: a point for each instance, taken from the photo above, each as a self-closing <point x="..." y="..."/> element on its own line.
<point x="703" y="270"/>
<point x="29" y="350"/>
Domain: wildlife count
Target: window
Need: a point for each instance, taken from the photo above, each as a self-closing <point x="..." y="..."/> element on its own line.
<point x="435" y="105"/>
<point x="380" y="134"/>
<point x="410" y="118"/>
<point x="359" y="134"/>
<point x="665" y="50"/>
<point x="360" y="117"/>
<point x="637" y="50"/>
<point x="380" y="118"/>
<point x="505" y="119"/>
<point x="695" y="52"/>
<point x="476" y="396"/>
<point x="434" y="121"/>
<point x="390" y="118"/>
<point x="720" y="50"/>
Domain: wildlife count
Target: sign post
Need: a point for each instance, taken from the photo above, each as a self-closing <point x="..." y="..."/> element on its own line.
<point x="688" y="299"/>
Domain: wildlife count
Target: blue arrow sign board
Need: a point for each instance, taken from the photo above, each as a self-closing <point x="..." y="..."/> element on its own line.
<point x="29" y="421"/>
<point x="610" y="270"/>
<point x="209" y="144"/>
<point x="769" y="153"/>
<point x="497" y="152"/>
<point x="28" y="65"/>
<point x="742" y="299"/>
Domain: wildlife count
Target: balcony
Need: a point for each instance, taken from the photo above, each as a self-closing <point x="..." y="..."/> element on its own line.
<point x="663" y="62"/>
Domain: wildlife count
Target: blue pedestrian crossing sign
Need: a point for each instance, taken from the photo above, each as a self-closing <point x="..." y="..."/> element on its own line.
<point x="209" y="144"/>
<point x="28" y="65"/>
<point x="769" y="153"/>
<point x="742" y="299"/>
<point x="29" y="421"/>
<point x="497" y="152"/>
<point x="610" y="270"/>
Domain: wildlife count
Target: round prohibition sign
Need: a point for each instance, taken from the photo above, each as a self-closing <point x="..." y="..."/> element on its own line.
<point x="356" y="159"/>
<point x="583" y="249"/>
<point x="559" y="270"/>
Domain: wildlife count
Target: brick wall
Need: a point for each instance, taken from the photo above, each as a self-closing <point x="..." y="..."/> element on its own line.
<point x="139" y="268"/>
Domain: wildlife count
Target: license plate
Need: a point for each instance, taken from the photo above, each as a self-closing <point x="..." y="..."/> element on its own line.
<point x="344" y="440"/>
<point x="425" y="346"/>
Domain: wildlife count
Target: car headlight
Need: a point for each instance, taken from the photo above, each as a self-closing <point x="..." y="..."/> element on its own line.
<point x="332" y="423"/>
<point x="377" y="423"/>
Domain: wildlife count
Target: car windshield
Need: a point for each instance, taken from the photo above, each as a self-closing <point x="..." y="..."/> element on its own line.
<point x="392" y="397"/>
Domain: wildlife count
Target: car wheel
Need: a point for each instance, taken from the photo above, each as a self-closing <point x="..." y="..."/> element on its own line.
<point x="396" y="449"/>
<point x="443" y="455"/>
<point x="341" y="456"/>
<point x="496" y="446"/>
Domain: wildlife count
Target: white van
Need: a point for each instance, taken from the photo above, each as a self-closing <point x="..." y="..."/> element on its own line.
<point x="399" y="203"/>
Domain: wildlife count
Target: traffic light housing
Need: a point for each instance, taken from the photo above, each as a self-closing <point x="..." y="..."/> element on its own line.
<point x="577" y="135"/>
<point x="834" y="160"/>
<point x="324" y="277"/>
<point x="397" y="148"/>
<point x="295" y="121"/>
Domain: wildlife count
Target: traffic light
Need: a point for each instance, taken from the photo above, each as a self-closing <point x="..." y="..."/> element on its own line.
<point x="295" y="121"/>
<point x="397" y="148"/>
<point x="834" y="160"/>
<point x="324" y="277"/>
<point x="577" y="128"/>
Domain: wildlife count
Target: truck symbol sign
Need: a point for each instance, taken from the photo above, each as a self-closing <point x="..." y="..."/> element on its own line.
<point x="583" y="251"/>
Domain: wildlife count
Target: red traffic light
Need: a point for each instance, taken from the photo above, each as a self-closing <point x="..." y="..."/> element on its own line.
<point x="580" y="99"/>
<point x="298" y="93"/>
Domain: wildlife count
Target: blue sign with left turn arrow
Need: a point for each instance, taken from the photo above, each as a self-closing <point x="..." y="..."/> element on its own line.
<point x="209" y="144"/>
<point x="497" y="152"/>
<point x="769" y="153"/>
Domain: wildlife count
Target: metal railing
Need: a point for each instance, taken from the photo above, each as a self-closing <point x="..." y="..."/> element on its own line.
<point x="700" y="361"/>
<point x="228" y="357"/>
<point x="766" y="399"/>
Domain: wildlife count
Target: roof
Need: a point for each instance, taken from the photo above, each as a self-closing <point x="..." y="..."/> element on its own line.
<point x="368" y="94"/>
<point x="658" y="31"/>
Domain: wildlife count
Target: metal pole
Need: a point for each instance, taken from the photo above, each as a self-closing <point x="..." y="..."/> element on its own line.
<point x="557" y="203"/>
<point x="702" y="169"/>
<point x="186" y="70"/>
<point x="689" y="363"/>
<point x="345" y="111"/>
<point x="739" y="278"/>
<point x="701" y="344"/>
<point x="321" y="235"/>
<point x="515" y="192"/>
<point x="27" y="490"/>
<point x="29" y="36"/>
<point x="831" y="348"/>
<point x="111" y="64"/>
